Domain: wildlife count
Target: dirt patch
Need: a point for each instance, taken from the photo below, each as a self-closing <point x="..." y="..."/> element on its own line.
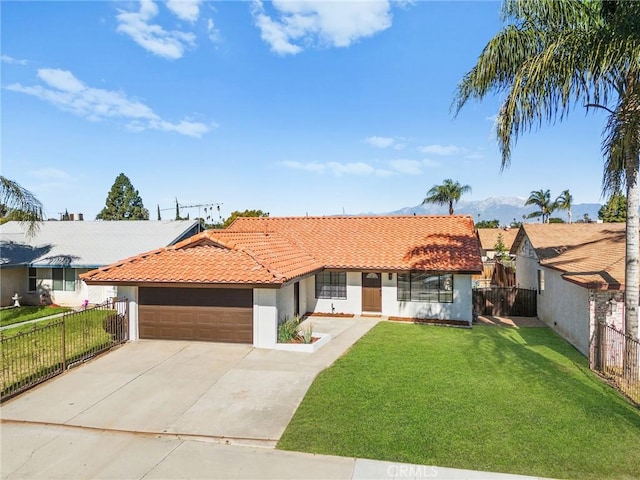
<point x="430" y="321"/>
<point x="510" y="321"/>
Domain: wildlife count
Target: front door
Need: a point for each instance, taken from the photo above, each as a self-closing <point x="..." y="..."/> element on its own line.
<point x="296" y="299"/>
<point x="371" y="292"/>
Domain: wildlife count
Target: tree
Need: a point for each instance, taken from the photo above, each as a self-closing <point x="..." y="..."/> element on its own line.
<point x="446" y="194"/>
<point x="502" y="253"/>
<point x="246" y="213"/>
<point x="123" y="202"/>
<point x="555" y="220"/>
<point x="159" y="216"/>
<point x="615" y="210"/>
<point x="542" y="200"/>
<point x="19" y="204"/>
<point x="551" y="56"/>
<point x="495" y="223"/>
<point x="565" y="202"/>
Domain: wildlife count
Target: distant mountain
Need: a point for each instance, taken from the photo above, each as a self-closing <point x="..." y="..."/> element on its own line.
<point x="504" y="209"/>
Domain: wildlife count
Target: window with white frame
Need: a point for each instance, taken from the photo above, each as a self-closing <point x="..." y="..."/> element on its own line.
<point x="331" y="285"/>
<point x="425" y="287"/>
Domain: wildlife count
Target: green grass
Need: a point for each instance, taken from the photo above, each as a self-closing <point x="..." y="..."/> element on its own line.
<point x="494" y="399"/>
<point x="29" y="352"/>
<point x="9" y="316"/>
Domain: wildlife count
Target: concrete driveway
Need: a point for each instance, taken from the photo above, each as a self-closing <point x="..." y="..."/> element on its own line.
<point x="228" y="393"/>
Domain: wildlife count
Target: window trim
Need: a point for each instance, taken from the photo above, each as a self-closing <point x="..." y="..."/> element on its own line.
<point x="409" y="283"/>
<point x="336" y="283"/>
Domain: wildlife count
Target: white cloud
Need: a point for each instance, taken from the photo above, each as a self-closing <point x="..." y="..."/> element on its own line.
<point x="11" y="60"/>
<point x="338" y="169"/>
<point x="380" y="142"/>
<point x="188" y="10"/>
<point x="411" y="167"/>
<point x="301" y="23"/>
<point x="444" y="150"/>
<point x="213" y="32"/>
<point x="51" y="174"/>
<point x="152" y="37"/>
<point x="66" y="92"/>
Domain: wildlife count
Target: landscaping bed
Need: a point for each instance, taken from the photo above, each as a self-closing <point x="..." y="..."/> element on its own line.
<point x="493" y="399"/>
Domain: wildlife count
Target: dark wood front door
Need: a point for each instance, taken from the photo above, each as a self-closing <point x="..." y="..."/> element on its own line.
<point x="371" y="292"/>
<point x="296" y="299"/>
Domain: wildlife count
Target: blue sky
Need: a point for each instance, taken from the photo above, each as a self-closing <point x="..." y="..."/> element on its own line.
<point x="290" y="107"/>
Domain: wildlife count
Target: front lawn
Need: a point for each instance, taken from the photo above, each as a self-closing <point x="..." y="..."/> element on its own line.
<point x="9" y="316"/>
<point x="495" y="399"/>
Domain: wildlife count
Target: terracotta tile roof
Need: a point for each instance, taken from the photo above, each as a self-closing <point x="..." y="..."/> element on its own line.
<point x="276" y="250"/>
<point x="425" y="242"/>
<point x="214" y="257"/>
<point x="489" y="237"/>
<point x="591" y="255"/>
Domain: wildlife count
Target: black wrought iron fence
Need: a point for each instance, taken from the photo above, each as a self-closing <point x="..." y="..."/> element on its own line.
<point x="34" y="353"/>
<point x="616" y="356"/>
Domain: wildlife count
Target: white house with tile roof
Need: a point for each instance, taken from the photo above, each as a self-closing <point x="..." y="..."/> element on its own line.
<point x="236" y="285"/>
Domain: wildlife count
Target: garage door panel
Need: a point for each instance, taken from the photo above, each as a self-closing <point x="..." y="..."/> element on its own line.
<point x="219" y="324"/>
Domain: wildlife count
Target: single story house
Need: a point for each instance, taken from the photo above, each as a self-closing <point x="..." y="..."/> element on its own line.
<point x="46" y="267"/>
<point x="489" y="239"/>
<point x="236" y="285"/>
<point x="578" y="271"/>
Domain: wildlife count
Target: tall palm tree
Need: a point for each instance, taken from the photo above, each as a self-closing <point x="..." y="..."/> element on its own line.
<point x="446" y="194"/>
<point x="565" y="202"/>
<point x="542" y="200"/>
<point x="551" y="56"/>
<point x="18" y="203"/>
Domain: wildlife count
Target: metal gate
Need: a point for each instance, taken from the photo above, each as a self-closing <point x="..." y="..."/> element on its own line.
<point x="505" y="302"/>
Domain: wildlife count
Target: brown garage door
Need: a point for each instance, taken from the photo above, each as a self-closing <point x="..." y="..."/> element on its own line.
<point x="211" y="314"/>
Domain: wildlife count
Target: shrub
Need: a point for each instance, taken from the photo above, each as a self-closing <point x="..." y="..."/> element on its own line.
<point x="288" y="330"/>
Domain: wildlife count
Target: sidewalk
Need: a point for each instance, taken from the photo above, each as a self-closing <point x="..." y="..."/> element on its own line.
<point x="32" y="451"/>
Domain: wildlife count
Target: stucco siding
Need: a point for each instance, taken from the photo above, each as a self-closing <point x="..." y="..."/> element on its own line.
<point x="352" y="304"/>
<point x="526" y="266"/>
<point x="12" y="280"/>
<point x="460" y="309"/>
<point x="265" y="317"/>
<point x="284" y="302"/>
<point x="130" y="293"/>
<point x="564" y="306"/>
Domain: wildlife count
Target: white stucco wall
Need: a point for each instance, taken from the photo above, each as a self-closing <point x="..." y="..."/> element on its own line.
<point x="526" y="266"/>
<point x="352" y="304"/>
<point x="265" y="317"/>
<point x="12" y="280"/>
<point x="564" y="306"/>
<point x="130" y="293"/>
<point x="460" y="309"/>
<point x="284" y="302"/>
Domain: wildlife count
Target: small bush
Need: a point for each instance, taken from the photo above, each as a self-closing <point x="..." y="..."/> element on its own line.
<point x="288" y="330"/>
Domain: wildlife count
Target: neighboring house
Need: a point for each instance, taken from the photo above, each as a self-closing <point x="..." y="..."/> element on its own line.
<point x="236" y="285"/>
<point x="46" y="266"/>
<point x="489" y="238"/>
<point x="578" y="271"/>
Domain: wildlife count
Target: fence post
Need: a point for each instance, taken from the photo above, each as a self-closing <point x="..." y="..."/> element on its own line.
<point x="64" y="344"/>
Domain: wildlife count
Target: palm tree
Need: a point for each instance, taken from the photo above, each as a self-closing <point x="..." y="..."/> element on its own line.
<point x="551" y="56"/>
<point x="19" y="204"/>
<point x="446" y="194"/>
<point x="542" y="200"/>
<point x="564" y="202"/>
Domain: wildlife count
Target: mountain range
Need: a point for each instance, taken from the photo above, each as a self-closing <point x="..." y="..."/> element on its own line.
<point x="504" y="209"/>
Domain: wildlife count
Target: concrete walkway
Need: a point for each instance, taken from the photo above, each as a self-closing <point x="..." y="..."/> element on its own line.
<point x="68" y="453"/>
